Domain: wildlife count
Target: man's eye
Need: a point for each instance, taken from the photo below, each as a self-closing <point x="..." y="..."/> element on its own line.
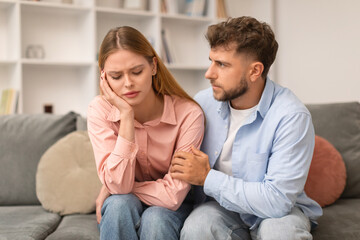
<point x="138" y="72"/>
<point x="220" y="64"/>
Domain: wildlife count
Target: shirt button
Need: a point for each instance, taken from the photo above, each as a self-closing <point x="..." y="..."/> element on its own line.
<point x="216" y="152"/>
<point x="225" y="127"/>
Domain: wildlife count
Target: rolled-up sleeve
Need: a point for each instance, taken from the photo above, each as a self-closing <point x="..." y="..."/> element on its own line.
<point x="114" y="155"/>
<point x="168" y="192"/>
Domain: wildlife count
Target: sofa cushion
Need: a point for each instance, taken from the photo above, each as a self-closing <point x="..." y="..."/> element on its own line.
<point x="327" y="174"/>
<point x="81" y="123"/>
<point x="23" y="139"/>
<point x="77" y="227"/>
<point x="26" y="222"/>
<point x="339" y="221"/>
<point x="339" y="123"/>
<point x="66" y="179"/>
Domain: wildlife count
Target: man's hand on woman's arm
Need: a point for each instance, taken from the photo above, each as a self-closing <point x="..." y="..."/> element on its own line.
<point x="192" y="167"/>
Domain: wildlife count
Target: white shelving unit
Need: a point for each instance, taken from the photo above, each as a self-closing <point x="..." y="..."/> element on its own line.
<point x="66" y="75"/>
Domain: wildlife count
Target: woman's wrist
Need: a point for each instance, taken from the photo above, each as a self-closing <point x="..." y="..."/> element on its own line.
<point x="126" y="129"/>
<point x="127" y="114"/>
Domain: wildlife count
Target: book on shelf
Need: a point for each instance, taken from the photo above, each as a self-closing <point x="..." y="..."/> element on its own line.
<point x="9" y="101"/>
<point x="169" y="6"/>
<point x="167" y="53"/>
<point x="221" y="9"/>
<point x="163" y="6"/>
<point x="195" y="8"/>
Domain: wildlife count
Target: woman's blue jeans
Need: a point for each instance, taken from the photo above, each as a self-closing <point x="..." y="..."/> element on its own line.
<point x="126" y="217"/>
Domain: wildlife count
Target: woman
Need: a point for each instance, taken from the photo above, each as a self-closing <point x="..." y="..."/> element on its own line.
<point x="141" y="119"/>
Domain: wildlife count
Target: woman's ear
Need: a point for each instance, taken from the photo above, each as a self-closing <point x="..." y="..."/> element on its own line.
<point x="154" y="70"/>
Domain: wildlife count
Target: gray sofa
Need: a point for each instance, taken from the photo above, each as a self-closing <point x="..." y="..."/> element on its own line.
<point x="24" y="138"/>
<point x="340" y="124"/>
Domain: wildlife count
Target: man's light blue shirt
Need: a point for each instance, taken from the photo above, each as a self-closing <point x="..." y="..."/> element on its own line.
<point x="271" y="156"/>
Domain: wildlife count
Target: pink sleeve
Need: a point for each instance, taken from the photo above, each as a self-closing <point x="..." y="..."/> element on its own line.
<point x="115" y="156"/>
<point x="168" y="192"/>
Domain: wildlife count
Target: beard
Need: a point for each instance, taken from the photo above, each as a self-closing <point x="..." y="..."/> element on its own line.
<point x="233" y="93"/>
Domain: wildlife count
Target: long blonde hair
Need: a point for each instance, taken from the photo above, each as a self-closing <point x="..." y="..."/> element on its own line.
<point x="132" y="40"/>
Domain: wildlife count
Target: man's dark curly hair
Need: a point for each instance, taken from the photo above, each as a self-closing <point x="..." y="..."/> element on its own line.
<point x="250" y="36"/>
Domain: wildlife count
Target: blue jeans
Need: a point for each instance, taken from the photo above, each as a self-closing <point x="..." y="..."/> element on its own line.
<point x="294" y="226"/>
<point x="125" y="217"/>
<point x="211" y="221"/>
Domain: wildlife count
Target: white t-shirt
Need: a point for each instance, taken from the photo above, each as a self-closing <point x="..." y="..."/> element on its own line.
<point x="237" y="119"/>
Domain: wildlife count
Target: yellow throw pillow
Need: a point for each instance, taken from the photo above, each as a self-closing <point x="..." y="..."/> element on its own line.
<point x="66" y="178"/>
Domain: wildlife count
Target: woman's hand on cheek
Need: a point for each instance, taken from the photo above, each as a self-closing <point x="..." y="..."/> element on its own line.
<point x="113" y="98"/>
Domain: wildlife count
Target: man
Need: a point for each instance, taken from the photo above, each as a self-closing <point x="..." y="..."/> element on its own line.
<point x="259" y="142"/>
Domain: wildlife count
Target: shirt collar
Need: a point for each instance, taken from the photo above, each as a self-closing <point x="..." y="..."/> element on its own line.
<point x="266" y="97"/>
<point x="223" y="109"/>
<point x="168" y="115"/>
<point x="264" y="103"/>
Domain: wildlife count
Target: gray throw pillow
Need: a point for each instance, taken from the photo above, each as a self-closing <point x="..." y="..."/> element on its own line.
<point x="81" y="124"/>
<point x="339" y="123"/>
<point x="23" y="140"/>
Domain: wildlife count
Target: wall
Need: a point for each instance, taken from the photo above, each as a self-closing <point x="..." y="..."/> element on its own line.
<point x="319" y="45"/>
<point x="263" y="10"/>
<point x="319" y="54"/>
<point x="259" y="9"/>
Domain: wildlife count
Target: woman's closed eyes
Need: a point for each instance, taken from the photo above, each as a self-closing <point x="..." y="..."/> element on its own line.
<point x="117" y="77"/>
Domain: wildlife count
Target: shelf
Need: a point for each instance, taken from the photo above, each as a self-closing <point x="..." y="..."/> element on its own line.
<point x="186" y="19"/>
<point x="190" y="37"/>
<point x="7" y="62"/>
<point x="53" y="6"/>
<point x="8" y="27"/>
<point x="145" y="22"/>
<point x="150" y="5"/>
<point x="67" y="74"/>
<point x="191" y="81"/>
<point x="76" y="45"/>
<point x="42" y="62"/>
<point x="183" y="9"/>
<point x="9" y="75"/>
<point x="126" y="12"/>
<point x="6" y="3"/>
<point x="66" y="87"/>
<point x="186" y="67"/>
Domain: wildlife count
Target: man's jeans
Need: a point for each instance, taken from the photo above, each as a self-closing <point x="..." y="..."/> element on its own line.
<point x="125" y="217"/>
<point x="211" y="221"/>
